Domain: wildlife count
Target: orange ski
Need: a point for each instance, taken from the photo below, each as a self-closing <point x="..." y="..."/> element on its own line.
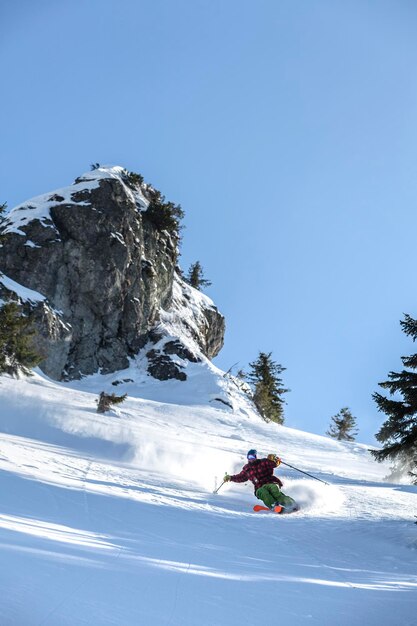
<point x="259" y="507"/>
<point x="277" y="509"/>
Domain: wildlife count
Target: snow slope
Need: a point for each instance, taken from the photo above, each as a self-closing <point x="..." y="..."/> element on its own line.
<point x="112" y="520"/>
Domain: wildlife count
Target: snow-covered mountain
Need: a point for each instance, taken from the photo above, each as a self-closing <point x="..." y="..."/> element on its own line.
<point x="111" y="519"/>
<point x="101" y="255"/>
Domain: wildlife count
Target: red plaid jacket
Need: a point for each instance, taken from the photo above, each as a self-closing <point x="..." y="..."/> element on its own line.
<point x="260" y="472"/>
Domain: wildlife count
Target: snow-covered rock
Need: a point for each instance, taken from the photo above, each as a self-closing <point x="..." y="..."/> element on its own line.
<point x="91" y="252"/>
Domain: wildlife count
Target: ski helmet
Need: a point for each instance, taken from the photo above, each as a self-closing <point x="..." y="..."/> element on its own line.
<point x="251" y="455"/>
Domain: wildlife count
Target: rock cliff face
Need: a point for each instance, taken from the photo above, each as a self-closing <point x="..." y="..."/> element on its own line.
<point x="107" y="274"/>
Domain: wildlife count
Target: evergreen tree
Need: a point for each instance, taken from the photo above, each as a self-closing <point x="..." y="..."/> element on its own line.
<point x="399" y="432"/>
<point x="132" y="179"/>
<point x="106" y="400"/>
<point x="162" y="214"/>
<point x="195" y="276"/>
<point x="343" y="427"/>
<point x="268" y="389"/>
<point x="16" y="352"/>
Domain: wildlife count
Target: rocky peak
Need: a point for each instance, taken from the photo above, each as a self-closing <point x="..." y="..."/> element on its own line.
<point x="106" y="271"/>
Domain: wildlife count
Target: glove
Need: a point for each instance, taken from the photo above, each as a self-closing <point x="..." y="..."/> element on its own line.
<point x="275" y="458"/>
<point x="227" y="478"/>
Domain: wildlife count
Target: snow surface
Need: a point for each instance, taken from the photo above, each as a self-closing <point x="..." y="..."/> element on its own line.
<point x="111" y="519"/>
<point x="24" y="293"/>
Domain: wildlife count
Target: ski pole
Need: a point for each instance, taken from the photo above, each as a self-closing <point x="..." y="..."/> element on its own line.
<point x="306" y="473"/>
<point x="216" y="490"/>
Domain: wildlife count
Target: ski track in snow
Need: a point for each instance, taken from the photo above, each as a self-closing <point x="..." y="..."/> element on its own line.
<point x="111" y="520"/>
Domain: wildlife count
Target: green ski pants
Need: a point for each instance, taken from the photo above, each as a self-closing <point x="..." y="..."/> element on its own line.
<point x="271" y="493"/>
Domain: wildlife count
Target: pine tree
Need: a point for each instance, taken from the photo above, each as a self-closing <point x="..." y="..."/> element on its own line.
<point x="162" y="214"/>
<point x="267" y="386"/>
<point x="106" y="400"/>
<point x="399" y="432"/>
<point x="195" y="276"/>
<point x="343" y="427"/>
<point x="16" y="352"/>
<point x="132" y="179"/>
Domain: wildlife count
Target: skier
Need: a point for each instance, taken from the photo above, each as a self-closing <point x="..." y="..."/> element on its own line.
<point x="267" y="486"/>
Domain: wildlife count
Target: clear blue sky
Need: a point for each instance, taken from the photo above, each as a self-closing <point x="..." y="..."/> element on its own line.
<point x="287" y="130"/>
